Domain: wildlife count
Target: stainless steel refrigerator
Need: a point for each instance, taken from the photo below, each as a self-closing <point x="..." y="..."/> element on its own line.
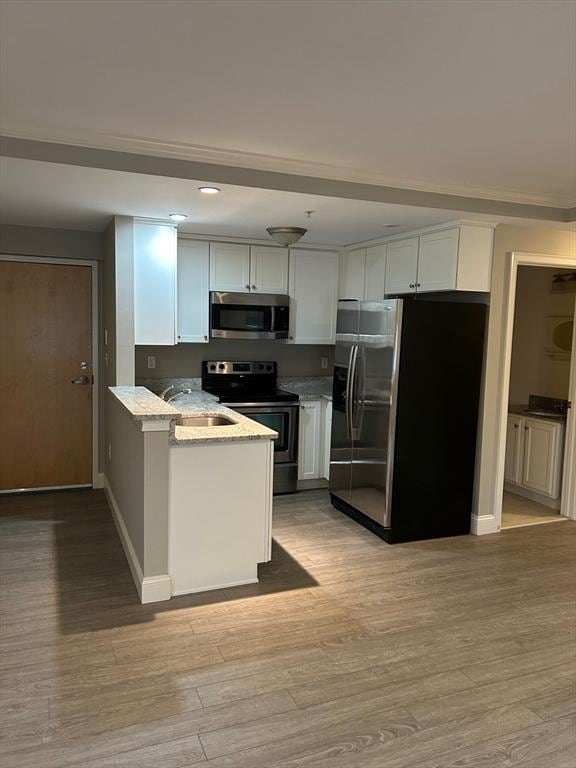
<point x="407" y="379"/>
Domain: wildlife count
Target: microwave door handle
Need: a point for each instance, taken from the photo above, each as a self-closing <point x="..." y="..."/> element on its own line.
<point x="273" y="319"/>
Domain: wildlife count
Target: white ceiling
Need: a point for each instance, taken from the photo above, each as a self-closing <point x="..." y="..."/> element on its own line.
<point x="472" y="96"/>
<point x="50" y="195"/>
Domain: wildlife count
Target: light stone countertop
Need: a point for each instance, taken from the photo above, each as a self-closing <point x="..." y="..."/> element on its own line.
<point x="144" y="405"/>
<point x="204" y="404"/>
<point x="308" y="387"/>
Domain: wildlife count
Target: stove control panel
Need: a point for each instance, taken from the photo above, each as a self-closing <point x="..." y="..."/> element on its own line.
<point x="242" y="368"/>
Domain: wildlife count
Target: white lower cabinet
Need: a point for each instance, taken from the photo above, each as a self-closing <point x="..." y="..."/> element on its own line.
<point x="314" y="439"/>
<point x="309" y="437"/>
<point x="534" y="453"/>
<point x="327" y="437"/>
<point x="193" y="291"/>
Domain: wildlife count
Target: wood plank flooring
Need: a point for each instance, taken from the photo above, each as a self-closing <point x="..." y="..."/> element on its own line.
<point x="349" y="653"/>
<point x="518" y="511"/>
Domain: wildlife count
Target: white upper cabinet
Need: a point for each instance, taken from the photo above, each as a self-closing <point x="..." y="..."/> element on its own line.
<point x="314" y="296"/>
<point x="352" y="274"/>
<point x="268" y="269"/>
<point x="438" y="261"/>
<point x="402" y="266"/>
<point x="374" y="283"/>
<point x="154" y="283"/>
<point x="193" y="291"/>
<point x="229" y="267"/>
<point x="452" y="259"/>
<point x="362" y="273"/>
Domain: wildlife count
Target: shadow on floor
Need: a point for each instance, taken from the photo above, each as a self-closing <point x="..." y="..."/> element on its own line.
<point x="61" y="553"/>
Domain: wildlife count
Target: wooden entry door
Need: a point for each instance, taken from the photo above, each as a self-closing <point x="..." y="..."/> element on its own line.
<point x="46" y="381"/>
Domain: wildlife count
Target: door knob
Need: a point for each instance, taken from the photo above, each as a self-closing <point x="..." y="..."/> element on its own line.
<point x="248" y="287"/>
<point x="81" y="380"/>
<point x="412" y="285"/>
<point x="253" y="287"/>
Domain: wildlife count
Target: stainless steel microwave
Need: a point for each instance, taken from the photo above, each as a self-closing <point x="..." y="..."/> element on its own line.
<point x="249" y="315"/>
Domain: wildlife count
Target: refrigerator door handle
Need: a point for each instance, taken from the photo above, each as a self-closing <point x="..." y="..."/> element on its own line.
<point x="350" y="382"/>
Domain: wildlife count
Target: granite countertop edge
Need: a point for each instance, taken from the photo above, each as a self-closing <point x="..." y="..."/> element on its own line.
<point x="308" y="387"/>
<point x="144" y="405"/>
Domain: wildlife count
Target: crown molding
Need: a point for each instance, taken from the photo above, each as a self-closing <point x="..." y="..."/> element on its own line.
<point x="155" y="165"/>
<point x="251" y="160"/>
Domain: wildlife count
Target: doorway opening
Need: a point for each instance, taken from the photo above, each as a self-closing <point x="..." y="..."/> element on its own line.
<point x="539" y="396"/>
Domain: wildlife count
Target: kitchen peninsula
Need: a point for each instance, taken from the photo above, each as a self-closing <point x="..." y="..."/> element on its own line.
<point x="190" y="486"/>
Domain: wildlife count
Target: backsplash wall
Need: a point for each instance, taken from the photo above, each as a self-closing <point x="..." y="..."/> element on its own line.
<point x="185" y="360"/>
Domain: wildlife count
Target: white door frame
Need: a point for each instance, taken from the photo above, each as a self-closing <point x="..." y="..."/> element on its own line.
<point x="513" y="261"/>
<point x="96" y="477"/>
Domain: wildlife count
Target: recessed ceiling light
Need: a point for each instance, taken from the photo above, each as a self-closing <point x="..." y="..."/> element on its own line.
<point x="178" y="216"/>
<point x="209" y="190"/>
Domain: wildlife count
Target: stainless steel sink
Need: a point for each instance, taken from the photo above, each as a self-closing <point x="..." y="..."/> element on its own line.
<point x="205" y="421"/>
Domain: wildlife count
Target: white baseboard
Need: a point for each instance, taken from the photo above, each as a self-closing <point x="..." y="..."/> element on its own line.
<point x="484" y="524"/>
<point x="217" y="586"/>
<point x="152" y="589"/>
<point x="155" y="589"/>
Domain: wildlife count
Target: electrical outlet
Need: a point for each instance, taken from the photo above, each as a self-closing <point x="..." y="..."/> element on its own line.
<point x="106" y="359"/>
<point x="324" y="362"/>
<point x="151" y="361"/>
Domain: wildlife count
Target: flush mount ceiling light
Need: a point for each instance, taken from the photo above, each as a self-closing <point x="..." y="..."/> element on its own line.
<point x="209" y="190"/>
<point x="286" y="235"/>
<point x="178" y="216"/>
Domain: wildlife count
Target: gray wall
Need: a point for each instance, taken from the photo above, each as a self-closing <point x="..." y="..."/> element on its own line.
<point x="52" y="243"/>
<point x="137" y="474"/>
<point x="185" y="360"/>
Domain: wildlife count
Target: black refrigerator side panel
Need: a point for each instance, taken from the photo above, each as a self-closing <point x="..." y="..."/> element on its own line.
<point x="437" y="419"/>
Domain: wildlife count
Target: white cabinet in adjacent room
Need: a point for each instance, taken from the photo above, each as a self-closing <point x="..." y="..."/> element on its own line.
<point x="542" y="456"/>
<point x="193" y="291"/>
<point x="155" y="267"/>
<point x="514" y="449"/>
<point x="314" y="296"/>
<point x="229" y="267"/>
<point x="534" y="455"/>
<point x="401" y="266"/>
<point x="268" y="269"/>
<point x="309" y="440"/>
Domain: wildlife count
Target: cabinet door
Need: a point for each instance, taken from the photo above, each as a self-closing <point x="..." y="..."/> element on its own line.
<point x="268" y="269"/>
<point x="374" y="284"/>
<point x="542" y="456"/>
<point x="193" y="291"/>
<point x="154" y="283"/>
<point x="309" y="440"/>
<point x="229" y="267"/>
<point x="327" y="430"/>
<point x="514" y="450"/>
<point x="314" y="296"/>
<point x="401" y="266"/>
<point x="352" y="274"/>
<point x="438" y="261"/>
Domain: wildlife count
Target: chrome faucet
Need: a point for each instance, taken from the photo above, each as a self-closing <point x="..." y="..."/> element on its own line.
<point x="165" y="391"/>
<point x="179" y="392"/>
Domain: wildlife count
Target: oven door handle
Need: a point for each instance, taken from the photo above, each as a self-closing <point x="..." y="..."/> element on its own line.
<point x="280" y="407"/>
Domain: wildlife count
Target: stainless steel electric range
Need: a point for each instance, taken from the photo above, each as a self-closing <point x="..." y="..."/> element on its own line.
<point x="251" y="388"/>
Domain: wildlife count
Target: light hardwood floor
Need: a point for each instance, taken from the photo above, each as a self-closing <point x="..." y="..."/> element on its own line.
<point x="518" y="511"/>
<point x="349" y="653"/>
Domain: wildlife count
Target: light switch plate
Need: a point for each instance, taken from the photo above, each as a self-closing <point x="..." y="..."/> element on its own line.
<point x="324" y="362"/>
<point x="151" y="361"/>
